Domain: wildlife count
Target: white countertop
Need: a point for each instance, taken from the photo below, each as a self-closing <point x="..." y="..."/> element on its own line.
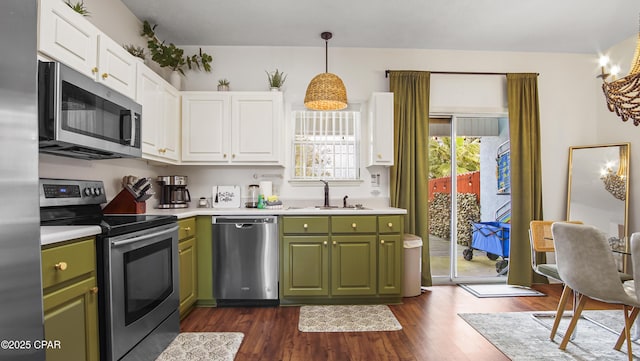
<point x="310" y="211"/>
<point x="54" y="234"/>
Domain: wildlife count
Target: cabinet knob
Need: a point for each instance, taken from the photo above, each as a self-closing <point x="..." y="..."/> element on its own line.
<point x="105" y="75"/>
<point x="382" y="241"/>
<point x="180" y="252"/>
<point x="334" y="243"/>
<point x="353" y="225"/>
<point x="390" y="225"/>
<point x="379" y="155"/>
<point x="94" y="70"/>
<point x="187" y="229"/>
<point x="61" y="266"/>
<point x="325" y="243"/>
<point x="224" y="155"/>
<point x="305" y="226"/>
<point x="93" y="290"/>
<point x="233" y="155"/>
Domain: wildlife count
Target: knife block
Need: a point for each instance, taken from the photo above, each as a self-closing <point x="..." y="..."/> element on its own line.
<point x="125" y="203"/>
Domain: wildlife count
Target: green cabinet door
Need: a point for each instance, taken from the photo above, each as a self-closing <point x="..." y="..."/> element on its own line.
<point x="71" y="317"/>
<point x="305" y="266"/>
<point x="353" y="265"/>
<point x="389" y="264"/>
<point x="187" y="262"/>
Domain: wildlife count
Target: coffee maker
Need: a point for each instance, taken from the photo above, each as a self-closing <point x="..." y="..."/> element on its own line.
<point x="174" y="192"/>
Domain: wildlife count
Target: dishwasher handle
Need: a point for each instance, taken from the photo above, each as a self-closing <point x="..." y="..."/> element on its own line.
<point x="245" y="221"/>
<point x="245" y="225"/>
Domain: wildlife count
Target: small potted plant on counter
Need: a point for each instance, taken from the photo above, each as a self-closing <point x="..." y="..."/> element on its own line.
<point x="276" y="79"/>
<point x="223" y="85"/>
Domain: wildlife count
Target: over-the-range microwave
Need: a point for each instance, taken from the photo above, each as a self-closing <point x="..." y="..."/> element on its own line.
<point x="81" y="118"/>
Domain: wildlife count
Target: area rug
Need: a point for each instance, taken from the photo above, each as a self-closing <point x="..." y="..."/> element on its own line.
<point x="349" y="318"/>
<point x="203" y="346"/>
<point x="500" y="290"/>
<point x="521" y="338"/>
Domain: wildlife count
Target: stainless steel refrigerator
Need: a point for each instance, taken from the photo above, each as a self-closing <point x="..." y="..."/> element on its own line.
<point x="21" y="320"/>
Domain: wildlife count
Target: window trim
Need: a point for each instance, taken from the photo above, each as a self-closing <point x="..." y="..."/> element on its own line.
<point x="356" y="114"/>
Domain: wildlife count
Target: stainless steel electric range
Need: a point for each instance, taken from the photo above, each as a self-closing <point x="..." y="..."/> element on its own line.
<point x="137" y="268"/>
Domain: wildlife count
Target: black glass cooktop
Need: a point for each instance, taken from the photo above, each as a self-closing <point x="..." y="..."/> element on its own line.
<point x="111" y="224"/>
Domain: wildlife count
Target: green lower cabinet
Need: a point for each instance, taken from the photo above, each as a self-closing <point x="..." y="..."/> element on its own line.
<point x="305" y="265"/>
<point x="71" y="317"/>
<point x="188" y="271"/>
<point x="390" y="264"/>
<point x="347" y="259"/>
<point x="204" y="261"/>
<point x="353" y="265"/>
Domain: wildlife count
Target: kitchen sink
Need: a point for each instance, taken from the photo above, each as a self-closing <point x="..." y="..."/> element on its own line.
<point x="331" y="208"/>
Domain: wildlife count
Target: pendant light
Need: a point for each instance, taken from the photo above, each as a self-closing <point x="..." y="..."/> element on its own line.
<point x="326" y="91"/>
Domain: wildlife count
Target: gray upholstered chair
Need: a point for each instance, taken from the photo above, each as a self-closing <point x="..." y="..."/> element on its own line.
<point x="586" y="264"/>
<point x="541" y="241"/>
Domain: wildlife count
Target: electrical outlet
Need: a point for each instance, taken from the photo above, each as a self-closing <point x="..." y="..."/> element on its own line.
<point x="375" y="180"/>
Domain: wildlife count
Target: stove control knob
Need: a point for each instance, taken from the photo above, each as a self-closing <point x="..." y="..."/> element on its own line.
<point x="97" y="192"/>
<point x="87" y="192"/>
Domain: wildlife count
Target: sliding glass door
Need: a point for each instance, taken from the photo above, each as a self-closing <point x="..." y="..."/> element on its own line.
<point x="469" y="198"/>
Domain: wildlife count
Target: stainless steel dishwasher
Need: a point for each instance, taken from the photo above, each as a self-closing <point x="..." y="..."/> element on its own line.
<point x="245" y="260"/>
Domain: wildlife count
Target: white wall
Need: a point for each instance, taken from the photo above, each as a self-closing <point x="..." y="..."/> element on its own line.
<point x="570" y="106"/>
<point x="567" y="88"/>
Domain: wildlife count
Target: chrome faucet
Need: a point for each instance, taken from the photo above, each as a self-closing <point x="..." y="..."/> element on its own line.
<point x="326" y="193"/>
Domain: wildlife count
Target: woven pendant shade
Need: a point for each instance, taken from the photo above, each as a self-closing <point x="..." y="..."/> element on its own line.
<point x="326" y="91"/>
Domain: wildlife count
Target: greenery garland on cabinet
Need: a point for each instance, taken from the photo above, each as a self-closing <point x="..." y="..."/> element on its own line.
<point x="171" y="56"/>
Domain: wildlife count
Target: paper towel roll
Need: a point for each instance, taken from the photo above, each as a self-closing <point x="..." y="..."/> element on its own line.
<point x="266" y="188"/>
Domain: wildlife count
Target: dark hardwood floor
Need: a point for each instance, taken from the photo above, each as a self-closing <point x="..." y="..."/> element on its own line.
<point x="431" y="329"/>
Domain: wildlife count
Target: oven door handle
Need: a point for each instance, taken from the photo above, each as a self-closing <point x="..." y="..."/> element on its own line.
<point x="142" y="238"/>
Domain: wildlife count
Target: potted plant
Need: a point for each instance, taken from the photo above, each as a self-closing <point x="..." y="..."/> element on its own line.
<point x="78" y="7"/>
<point x="223" y="85"/>
<point x="136" y="51"/>
<point x="171" y="56"/>
<point x="276" y="79"/>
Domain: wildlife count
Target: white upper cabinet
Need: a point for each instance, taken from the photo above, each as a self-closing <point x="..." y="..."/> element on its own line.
<point x="380" y="129"/>
<point x="160" y="117"/>
<point x="66" y="36"/>
<point x="232" y="127"/>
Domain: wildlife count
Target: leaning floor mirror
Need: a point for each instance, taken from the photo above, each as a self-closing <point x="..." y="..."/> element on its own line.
<point x="598" y="191"/>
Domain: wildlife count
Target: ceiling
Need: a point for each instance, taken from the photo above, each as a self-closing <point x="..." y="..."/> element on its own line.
<point x="566" y="26"/>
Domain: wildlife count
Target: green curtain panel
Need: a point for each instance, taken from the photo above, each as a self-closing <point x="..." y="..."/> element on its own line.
<point x="526" y="179"/>
<point x="409" y="175"/>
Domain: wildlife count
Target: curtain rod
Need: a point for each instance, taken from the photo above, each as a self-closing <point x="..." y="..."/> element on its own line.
<point x="386" y="73"/>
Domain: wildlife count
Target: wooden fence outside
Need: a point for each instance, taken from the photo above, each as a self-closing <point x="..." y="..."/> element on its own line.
<point x="466" y="183"/>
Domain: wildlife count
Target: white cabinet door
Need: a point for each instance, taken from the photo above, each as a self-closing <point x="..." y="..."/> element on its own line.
<point x="160" y="116"/>
<point x="256" y="127"/>
<point x="66" y="36"/>
<point x="147" y="94"/>
<point x="380" y="124"/>
<point x="232" y="127"/>
<point x="205" y="127"/>
<point x="116" y="67"/>
<point x="71" y="39"/>
<point x="171" y="115"/>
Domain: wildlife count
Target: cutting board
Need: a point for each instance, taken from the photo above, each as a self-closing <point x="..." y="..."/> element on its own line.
<point x="226" y="197"/>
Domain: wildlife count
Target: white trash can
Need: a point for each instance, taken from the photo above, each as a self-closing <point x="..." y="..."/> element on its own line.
<point x="411" y="280"/>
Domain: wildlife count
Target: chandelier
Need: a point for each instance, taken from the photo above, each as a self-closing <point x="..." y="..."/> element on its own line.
<point x="623" y="95"/>
<point x="615" y="182"/>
